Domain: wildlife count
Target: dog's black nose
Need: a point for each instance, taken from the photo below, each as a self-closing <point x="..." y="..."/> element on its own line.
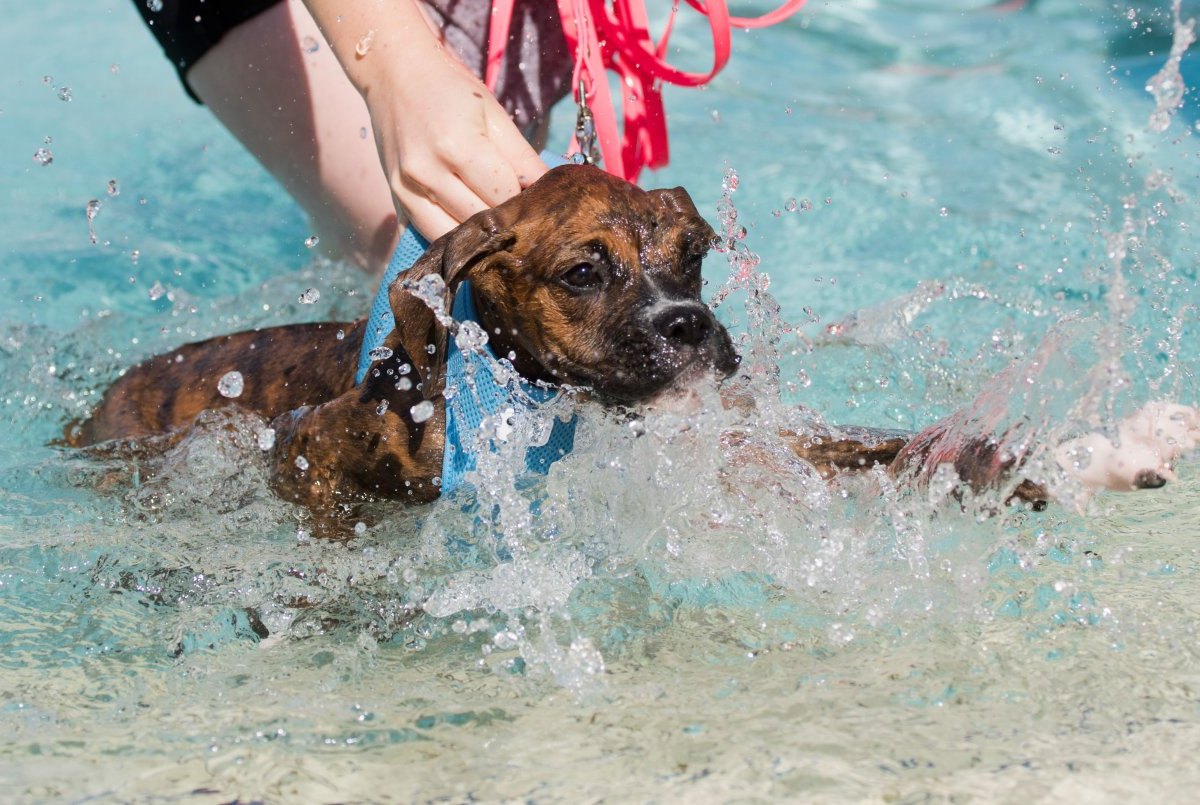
<point x="684" y="324"/>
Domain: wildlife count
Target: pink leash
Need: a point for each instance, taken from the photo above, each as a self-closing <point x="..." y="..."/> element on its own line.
<point x="618" y="38"/>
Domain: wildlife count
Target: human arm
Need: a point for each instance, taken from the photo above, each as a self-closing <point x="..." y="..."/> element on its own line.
<point x="447" y="147"/>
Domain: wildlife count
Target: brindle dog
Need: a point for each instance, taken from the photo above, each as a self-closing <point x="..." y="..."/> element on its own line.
<point x="583" y="279"/>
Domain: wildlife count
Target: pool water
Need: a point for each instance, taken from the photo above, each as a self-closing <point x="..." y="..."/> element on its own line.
<point x="930" y="193"/>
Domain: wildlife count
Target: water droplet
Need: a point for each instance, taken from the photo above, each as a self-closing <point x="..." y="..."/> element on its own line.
<point x="231" y="384"/>
<point x="403" y="384"/>
<point x="363" y="132"/>
<point x="113" y="189"/>
<point x="114" y="68"/>
<point x="716" y="116"/>
<point x="154" y="5"/>
<point x="301" y="463"/>
<point x="311" y="240"/>
<point x="363" y="47"/>
<point x="93" y="209"/>
<point x="422" y="411"/>
<point x="791" y="205"/>
<point x="310" y="44"/>
<point x="944" y="212"/>
<point x="341" y="335"/>
<point x="64" y="94"/>
<point x="309" y="297"/>
<point x="506" y="640"/>
<point x="381" y="409"/>
<point x="43" y="156"/>
<point x="806" y="205"/>
<point x="360" y="528"/>
<point x="266" y="438"/>
<point x="380" y="353"/>
<point x="157" y="291"/>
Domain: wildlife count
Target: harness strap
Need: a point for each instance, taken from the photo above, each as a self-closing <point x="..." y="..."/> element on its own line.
<point x="473" y="393"/>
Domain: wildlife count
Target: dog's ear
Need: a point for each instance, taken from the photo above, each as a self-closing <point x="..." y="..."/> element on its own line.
<point x="453" y="257"/>
<point x="681" y="210"/>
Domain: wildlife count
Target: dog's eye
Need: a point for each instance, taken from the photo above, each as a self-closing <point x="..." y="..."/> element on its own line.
<point x="582" y="277"/>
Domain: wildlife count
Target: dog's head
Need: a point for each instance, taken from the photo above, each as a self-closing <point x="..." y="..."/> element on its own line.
<point x="582" y="279"/>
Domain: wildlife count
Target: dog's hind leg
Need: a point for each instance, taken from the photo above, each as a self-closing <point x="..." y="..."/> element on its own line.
<point x="381" y="439"/>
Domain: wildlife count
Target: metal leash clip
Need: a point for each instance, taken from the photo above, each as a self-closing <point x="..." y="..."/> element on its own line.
<point x="585" y="132"/>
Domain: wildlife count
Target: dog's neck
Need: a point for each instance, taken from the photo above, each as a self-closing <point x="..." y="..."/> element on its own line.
<point x="505" y="344"/>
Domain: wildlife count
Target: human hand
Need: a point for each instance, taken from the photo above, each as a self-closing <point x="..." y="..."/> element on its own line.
<point x="448" y="148"/>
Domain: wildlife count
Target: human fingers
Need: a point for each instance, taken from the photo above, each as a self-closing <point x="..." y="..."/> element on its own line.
<point x="429" y="217"/>
<point x="486" y="181"/>
<point x="457" y="185"/>
<point x="516" y="151"/>
<point x="503" y="163"/>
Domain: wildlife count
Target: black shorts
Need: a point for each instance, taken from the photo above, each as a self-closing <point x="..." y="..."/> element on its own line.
<point x="186" y="29"/>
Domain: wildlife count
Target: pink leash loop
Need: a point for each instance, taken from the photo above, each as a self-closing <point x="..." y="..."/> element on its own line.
<point x="498" y="27"/>
<point x="619" y="39"/>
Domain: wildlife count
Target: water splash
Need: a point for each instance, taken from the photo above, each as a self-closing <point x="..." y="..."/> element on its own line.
<point x="1167" y="86"/>
<point x="431" y="289"/>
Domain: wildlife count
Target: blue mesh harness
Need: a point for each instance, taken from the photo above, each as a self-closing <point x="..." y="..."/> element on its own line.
<point x="473" y="393"/>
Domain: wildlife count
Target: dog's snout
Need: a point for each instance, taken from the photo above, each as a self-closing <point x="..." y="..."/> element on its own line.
<point x="684" y="324"/>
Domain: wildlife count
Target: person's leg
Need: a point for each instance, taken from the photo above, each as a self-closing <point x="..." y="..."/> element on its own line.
<point x="298" y="114"/>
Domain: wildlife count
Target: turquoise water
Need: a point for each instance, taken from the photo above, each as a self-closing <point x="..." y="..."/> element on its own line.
<point x="932" y="191"/>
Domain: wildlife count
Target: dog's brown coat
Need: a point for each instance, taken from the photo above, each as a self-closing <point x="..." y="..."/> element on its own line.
<point x="646" y="246"/>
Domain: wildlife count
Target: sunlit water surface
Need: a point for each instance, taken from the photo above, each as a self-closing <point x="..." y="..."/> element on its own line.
<point x="929" y="192"/>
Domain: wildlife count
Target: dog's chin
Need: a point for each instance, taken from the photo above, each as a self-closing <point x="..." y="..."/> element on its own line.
<point x="665" y="385"/>
<point x="684" y="395"/>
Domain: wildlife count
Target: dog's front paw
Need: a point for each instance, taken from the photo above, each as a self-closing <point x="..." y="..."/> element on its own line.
<point x="1143" y="456"/>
